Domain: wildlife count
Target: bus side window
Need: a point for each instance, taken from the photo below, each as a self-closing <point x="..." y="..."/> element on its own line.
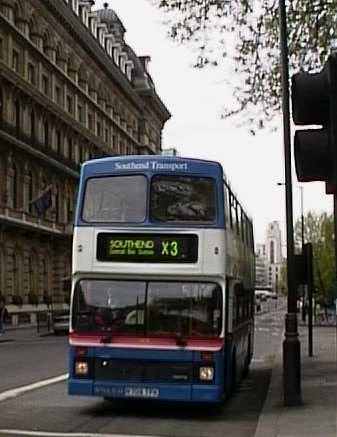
<point x="251" y="239"/>
<point x="237" y="214"/>
<point x="247" y="232"/>
<point x="226" y="205"/>
<point x="232" y="210"/>
<point x="237" y="305"/>
<point x="242" y="230"/>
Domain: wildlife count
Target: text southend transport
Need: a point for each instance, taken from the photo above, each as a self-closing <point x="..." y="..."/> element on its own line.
<point x="153" y="165"/>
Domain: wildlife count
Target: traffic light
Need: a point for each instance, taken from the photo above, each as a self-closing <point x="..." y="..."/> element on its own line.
<point x="314" y="102"/>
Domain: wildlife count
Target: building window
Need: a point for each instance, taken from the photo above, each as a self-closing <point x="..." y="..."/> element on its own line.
<point x="98" y="129"/>
<point x="82" y="153"/>
<point x="70" y="211"/>
<point x="69" y="104"/>
<point x="32" y="125"/>
<point x="57" y="204"/>
<point x="31" y="273"/>
<point x="30" y="192"/>
<point x="15" y="61"/>
<point x="45" y="276"/>
<point x="1" y="106"/>
<point x="3" y="269"/>
<point x="1" y="48"/>
<point x="46" y="133"/>
<point x="58" y="95"/>
<point x="45" y="85"/>
<point x="70" y="148"/>
<point x="90" y="122"/>
<point x="17" y="115"/>
<point x="80" y="113"/>
<point x="14" y="188"/>
<point x="16" y="274"/>
<point x="106" y="135"/>
<point x="272" y="255"/>
<point x="58" y="141"/>
<point x="31" y="74"/>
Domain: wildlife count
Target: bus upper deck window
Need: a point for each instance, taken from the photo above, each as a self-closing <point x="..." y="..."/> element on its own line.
<point x="115" y="199"/>
<point x="182" y="199"/>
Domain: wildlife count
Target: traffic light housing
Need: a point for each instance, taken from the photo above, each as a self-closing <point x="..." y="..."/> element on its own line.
<point x="314" y="102"/>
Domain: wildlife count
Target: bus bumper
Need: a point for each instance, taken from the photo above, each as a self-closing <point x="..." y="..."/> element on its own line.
<point x="160" y="392"/>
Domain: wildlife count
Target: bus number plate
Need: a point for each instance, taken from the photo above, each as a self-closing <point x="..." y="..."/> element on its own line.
<point x="138" y="392"/>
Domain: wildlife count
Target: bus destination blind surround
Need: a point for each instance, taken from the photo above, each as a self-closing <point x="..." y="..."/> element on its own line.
<point x="155" y="248"/>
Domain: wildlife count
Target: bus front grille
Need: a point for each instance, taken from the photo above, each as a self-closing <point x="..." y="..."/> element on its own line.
<point x="109" y="369"/>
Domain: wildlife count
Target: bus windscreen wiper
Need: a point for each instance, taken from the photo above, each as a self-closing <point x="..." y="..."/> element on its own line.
<point x="180" y="339"/>
<point x="106" y="339"/>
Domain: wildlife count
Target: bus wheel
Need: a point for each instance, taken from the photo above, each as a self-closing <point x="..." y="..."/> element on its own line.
<point x="247" y="360"/>
<point x="112" y="401"/>
<point x="233" y="384"/>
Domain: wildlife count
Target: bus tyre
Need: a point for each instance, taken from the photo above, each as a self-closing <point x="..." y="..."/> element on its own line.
<point x="233" y="385"/>
<point x="113" y="403"/>
<point x="247" y="360"/>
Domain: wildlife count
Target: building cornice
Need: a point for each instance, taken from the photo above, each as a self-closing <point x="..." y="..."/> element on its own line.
<point x="156" y="103"/>
<point x="15" y="78"/>
<point x="81" y="34"/>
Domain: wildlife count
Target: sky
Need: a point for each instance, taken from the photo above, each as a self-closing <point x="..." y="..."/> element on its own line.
<point x="253" y="164"/>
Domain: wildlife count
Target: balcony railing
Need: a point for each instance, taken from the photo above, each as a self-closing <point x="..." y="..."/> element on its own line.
<point x="39" y="224"/>
<point x="17" y="133"/>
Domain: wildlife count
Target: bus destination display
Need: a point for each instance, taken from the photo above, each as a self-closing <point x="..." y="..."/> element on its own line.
<point x="155" y="248"/>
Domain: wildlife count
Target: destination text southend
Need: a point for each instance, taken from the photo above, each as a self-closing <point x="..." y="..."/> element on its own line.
<point x="151" y="165"/>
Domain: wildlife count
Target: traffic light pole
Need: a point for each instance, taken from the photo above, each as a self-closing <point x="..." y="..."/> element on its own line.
<point x="291" y="344"/>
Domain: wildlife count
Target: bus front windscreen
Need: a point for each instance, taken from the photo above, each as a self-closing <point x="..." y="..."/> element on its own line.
<point x="191" y="309"/>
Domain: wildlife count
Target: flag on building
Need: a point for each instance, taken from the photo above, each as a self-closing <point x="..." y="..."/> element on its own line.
<point x="43" y="202"/>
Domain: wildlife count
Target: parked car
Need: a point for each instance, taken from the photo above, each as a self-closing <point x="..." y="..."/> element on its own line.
<point x="61" y="322"/>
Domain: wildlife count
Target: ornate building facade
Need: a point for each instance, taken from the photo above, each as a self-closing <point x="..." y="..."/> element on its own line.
<point x="71" y="89"/>
<point x="269" y="259"/>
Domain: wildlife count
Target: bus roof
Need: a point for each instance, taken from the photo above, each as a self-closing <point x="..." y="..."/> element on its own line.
<point x="151" y="164"/>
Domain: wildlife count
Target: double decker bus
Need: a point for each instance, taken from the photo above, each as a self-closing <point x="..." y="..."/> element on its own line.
<point x="162" y="303"/>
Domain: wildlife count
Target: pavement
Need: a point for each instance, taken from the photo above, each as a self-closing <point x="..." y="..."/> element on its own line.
<point x="317" y="416"/>
<point x="22" y="332"/>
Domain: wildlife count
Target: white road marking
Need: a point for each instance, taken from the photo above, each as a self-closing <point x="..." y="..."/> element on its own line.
<point x="18" y="391"/>
<point x="64" y="434"/>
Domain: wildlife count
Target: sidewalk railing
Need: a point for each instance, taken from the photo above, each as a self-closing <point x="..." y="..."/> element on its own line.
<point x="40" y="316"/>
<point x="44" y="321"/>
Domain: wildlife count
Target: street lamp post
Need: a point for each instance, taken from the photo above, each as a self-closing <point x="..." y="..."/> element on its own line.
<point x="302" y="213"/>
<point x="302" y="242"/>
<point x="302" y="217"/>
<point x="291" y="344"/>
<point x="304" y="288"/>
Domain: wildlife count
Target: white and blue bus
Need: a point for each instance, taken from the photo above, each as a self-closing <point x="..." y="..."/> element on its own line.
<point x="162" y="302"/>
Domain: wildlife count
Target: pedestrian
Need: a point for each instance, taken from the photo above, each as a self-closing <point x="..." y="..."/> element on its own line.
<point x="3" y="315"/>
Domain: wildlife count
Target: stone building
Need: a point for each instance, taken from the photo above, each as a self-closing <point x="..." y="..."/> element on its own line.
<point x="269" y="259"/>
<point x="70" y="89"/>
<point x="261" y="267"/>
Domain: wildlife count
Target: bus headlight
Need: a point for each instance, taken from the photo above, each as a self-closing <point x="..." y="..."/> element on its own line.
<point x="206" y="373"/>
<point x="81" y="368"/>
